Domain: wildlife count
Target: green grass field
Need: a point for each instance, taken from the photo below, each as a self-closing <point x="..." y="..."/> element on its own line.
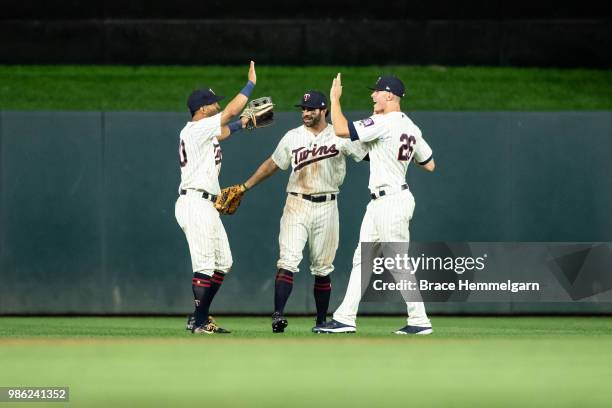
<point x="468" y="361"/>
<point x="428" y="88"/>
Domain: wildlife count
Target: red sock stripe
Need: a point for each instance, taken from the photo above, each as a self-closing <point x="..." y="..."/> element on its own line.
<point x="322" y="286"/>
<point x="219" y="275"/>
<point x="205" y="283"/>
<point x="217" y="281"/>
<point x="283" y="278"/>
<point x="285" y="275"/>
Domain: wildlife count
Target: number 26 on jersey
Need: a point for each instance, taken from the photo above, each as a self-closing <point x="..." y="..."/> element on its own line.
<point x="406" y="147"/>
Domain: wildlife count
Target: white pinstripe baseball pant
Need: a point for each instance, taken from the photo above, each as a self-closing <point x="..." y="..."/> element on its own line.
<point x="386" y="220"/>
<point x="316" y="223"/>
<point x="206" y="237"/>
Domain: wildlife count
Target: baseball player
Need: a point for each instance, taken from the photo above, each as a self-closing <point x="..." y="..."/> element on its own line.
<point x="393" y="140"/>
<point x="317" y="159"/>
<point x="200" y="159"/>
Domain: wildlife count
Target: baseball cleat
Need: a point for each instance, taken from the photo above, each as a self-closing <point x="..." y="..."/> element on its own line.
<point x="210" y="327"/>
<point x="190" y="322"/>
<point x="414" y="330"/>
<point x="318" y="326"/>
<point x="336" y="327"/>
<point x="278" y="323"/>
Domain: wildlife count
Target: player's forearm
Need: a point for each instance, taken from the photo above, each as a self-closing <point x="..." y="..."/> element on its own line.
<point x="234" y="108"/>
<point x="264" y="171"/>
<point x="237" y="104"/>
<point x="339" y="121"/>
<point x="228" y="130"/>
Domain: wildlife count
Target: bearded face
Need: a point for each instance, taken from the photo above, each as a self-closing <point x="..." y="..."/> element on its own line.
<point x="312" y="117"/>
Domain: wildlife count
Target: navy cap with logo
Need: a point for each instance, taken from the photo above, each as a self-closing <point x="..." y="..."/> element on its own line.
<point x="314" y="100"/>
<point x="389" y="83"/>
<point x="202" y="97"/>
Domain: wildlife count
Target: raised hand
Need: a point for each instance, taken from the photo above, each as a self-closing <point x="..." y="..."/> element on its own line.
<point x="252" y="74"/>
<point x="336" y="89"/>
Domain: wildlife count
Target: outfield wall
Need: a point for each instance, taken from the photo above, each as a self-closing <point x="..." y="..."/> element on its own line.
<point x="87" y="206"/>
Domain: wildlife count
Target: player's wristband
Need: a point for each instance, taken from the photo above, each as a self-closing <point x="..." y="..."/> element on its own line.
<point x="244" y="186"/>
<point x="426" y="161"/>
<point x="248" y="88"/>
<point x="235" y="126"/>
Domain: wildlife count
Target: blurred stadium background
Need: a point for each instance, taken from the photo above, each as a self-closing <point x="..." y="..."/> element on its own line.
<point x="514" y="97"/>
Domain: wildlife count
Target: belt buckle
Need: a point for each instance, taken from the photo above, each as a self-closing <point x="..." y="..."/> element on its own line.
<point x="312" y="198"/>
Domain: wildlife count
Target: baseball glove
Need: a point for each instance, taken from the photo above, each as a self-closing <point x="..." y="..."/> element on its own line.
<point x="260" y="113"/>
<point x="229" y="200"/>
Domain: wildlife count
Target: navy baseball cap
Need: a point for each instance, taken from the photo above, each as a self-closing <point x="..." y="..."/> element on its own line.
<point x="389" y="83"/>
<point x="314" y="100"/>
<point x="202" y="97"/>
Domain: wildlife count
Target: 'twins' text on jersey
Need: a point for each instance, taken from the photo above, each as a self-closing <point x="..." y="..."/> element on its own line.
<point x="317" y="162"/>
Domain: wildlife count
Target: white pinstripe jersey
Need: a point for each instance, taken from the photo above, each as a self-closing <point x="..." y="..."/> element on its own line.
<point x="317" y="162"/>
<point x="393" y="140"/>
<point x="200" y="155"/>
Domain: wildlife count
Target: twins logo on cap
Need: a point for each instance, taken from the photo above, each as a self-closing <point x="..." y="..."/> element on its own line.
<point x="313" y="100"/>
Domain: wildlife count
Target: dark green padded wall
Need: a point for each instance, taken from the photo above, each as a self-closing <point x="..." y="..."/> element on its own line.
<point x="51" y="208"/>
<point x="87" y="205"/>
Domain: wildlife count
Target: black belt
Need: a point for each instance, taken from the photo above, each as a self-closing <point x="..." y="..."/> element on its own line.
<point x="205" y="195"/>
<point x="383" y="192"/>
<point x="317" y="199"/>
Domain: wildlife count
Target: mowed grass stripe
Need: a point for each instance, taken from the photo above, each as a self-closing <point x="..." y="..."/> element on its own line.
<point x="299" y="327"/>
<point x="505" y="362"/>
<point x="165" y="88"/>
